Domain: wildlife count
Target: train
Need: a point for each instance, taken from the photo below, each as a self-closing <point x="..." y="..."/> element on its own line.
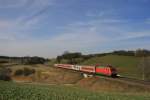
<point x="106" y="70"/>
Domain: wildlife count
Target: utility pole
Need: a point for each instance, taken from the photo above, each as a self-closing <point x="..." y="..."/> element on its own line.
<point x="144" y="65"/>
<point x="143" y="68"/>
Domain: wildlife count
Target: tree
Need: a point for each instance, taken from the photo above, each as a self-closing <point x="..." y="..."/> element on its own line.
<point x="142" y="53"/>
<point x="124" y="53"/>
<point x="72" y="58"/>
<point x="59" y="58"/>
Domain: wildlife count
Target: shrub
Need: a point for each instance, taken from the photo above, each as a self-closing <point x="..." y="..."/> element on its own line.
<point x="19" y="72"/>
<point x="28" y="71"/>
<point x="3" y="61"/>
<point x="5" y="74"/>
<point x="5" y="77"/>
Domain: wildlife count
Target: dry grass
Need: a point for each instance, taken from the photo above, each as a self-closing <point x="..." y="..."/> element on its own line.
<point x="47" y="75"/>
<point x="51" y="75"/>
<point x="111" y="85"/>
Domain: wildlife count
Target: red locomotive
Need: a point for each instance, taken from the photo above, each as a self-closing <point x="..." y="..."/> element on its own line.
<point x="97" y="70"/>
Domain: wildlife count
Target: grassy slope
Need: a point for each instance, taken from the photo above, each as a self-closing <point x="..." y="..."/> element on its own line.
<point x="46" y="74"/>
<point x="126" y="65"/>
<point x="13" y="91"/>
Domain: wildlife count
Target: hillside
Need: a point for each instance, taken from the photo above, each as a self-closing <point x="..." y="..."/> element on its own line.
<point x="47" y="74"/>
<point x="126" y="65"/>
<point x="50" y="75"/>
<point x="53" y="83"/>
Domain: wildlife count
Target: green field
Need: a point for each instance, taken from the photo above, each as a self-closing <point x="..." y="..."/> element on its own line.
<point x="15" y="91"/>
<point x="82" y="89"/>
<point x="126" y="65"/>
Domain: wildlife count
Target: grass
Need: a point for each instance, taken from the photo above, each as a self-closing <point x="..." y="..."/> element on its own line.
<point x="126" y="65"/>
<point x="14" y="91"/>
<point x="44" y="73"/>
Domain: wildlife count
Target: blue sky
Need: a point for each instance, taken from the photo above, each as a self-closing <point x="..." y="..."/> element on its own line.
<point x="47" y="28"/>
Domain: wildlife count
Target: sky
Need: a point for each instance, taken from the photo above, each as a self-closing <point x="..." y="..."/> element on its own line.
<point x="47" y="28"/>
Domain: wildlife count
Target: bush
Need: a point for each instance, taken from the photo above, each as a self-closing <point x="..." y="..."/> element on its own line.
<point x="28" y="71"/>
<point x="19" y="72"/>
<point x="3" y="61"/>
<point x="25" y="72"/>
<point x="5" y="77"/>
<point x="5" y="74"/>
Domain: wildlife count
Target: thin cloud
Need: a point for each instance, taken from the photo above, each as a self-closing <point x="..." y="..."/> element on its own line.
<point x="38" y="13"/>
<point x="147" y="21"/>
<point x="5" y="24"/>
<point x="27" y="21"/>
<point x="54" y="45"/>
<point x="91" y="14"/>
<point x="36" y="8"/>
<point x="12" y="3"/>
<point x="34" y="31"/>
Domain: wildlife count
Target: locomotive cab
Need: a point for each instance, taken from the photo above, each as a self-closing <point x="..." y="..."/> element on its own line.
<point x="113" y="71"/>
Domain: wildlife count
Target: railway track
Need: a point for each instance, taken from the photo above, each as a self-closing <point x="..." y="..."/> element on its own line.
<point x="133" y="80"/>
<point x="127" y="80"/>
<point x="119" y="78"/>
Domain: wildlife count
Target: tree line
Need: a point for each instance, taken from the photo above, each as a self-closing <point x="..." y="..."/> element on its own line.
<point x="23" y="60"/>
<point x="143" y="54"/>
<point x="77" y="57"/>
